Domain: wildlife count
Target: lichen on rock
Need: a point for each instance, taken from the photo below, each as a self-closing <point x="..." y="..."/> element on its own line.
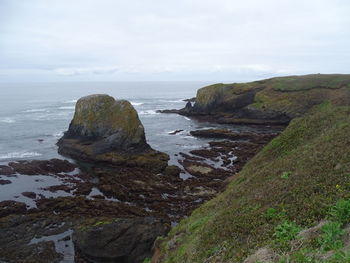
<point x="107" y="130"/>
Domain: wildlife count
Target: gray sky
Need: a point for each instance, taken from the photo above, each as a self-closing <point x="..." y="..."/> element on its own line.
<point x="207" y="40"/>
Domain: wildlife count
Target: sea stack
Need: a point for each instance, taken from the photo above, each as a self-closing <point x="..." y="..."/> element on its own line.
<point x="107" y="130"/>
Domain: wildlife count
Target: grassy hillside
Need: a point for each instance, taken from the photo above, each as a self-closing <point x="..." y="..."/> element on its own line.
<point x="290" y="185"/>
<point x="292" y="96"/>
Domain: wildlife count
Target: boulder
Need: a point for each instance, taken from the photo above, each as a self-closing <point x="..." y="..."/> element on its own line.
<point x="124" y="240"/>
<point x="107" y="130"/>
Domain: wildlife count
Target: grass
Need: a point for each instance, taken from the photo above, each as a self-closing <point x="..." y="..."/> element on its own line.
<point x="290" y="96"/>
<point x="331" y="236"/>
<point x="341" y="211"/>
<point x="314" y="150"/>
<point x="285" y="232"/>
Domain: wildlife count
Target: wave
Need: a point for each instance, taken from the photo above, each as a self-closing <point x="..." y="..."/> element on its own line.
<point x="7" y="120"/>
<point x="173" y="101"/>
<point x="35" y="110"/>
<point x="16" y="155"/>
<point x="186" y="118"/>
<point x="67" y="108"/>
<point x="71" y="101"/>
<point x="148" y="112"/>
<point x="58" y="134"/>
<point x="133" y="103"/>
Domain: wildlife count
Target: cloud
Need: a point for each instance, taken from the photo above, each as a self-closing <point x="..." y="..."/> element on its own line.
<point x="81" y="71"/>
<point x="182" y="39"/>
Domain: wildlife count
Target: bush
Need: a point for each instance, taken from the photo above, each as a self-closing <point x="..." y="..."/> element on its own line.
<point x="341" y="211"/>
<point x="331" y="236"/>
<point x="286" y="231"/>
<point x="285" y="175"/>
<point x="340" y="257"/>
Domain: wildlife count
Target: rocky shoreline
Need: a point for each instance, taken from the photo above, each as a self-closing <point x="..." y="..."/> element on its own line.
<point x="98" y="192"/>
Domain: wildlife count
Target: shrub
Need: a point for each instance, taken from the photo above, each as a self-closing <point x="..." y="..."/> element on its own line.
<point x="330" y="239"/>
<point x="285" y="175"/>
<point x="341" y="211"/>
<point x="340" y="257"/>
<point x="286" y="231"/>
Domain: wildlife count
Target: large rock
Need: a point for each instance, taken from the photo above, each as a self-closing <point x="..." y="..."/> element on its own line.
<point x="107" y="130"/>
<point x="275" y="100"/>
<point x="124" y="241"/>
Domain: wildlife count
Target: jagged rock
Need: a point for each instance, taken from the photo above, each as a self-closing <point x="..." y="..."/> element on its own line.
<point x="107" y="130"/>
<point x="124" y="240"/>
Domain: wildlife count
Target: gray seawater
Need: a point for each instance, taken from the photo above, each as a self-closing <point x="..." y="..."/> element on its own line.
<point x="34" y="116"/>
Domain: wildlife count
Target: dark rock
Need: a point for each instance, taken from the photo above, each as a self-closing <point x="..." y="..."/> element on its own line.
<point x="2" y="182"/>
<point x="175" y="132"/>
<point x="125" y="240"/>
<point x="45" y="167"/>
<point x="172" y="170"/>
<point x="9" y="207"/>
<point x="190" y="100"/>
<point x="231" y="135"/>
<point x="107" y="130"/>
<point x="31" y="195"/>
<point x="6" y="170"/>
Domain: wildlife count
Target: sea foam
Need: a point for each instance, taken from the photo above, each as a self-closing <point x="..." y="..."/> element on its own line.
<point x="19" y="155"/>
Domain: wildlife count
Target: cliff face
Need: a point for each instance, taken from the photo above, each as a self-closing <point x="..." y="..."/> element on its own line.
<point x="271" y="100"/>
<point x="292" y="184"/>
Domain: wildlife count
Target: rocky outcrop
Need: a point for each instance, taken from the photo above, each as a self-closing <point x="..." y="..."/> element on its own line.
<point x="270" y="101"/>
<point x="124" y="240"/>
<point x="107" y="130"/>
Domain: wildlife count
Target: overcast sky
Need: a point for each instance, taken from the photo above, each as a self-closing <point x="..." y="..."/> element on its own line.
<point x="207" y="40"/>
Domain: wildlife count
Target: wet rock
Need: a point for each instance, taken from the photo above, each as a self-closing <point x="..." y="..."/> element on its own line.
<point x="9" y="207"/>
<point x="172" y="170"/>
<point x="42" y="167"/>
<point x="6" y="170"/>
<point x="175" y="132"/>
<point x="3" y="182"/>
<point x="124" y="240"/>
<point x="190" y="100"/>
<point x="231" y="135"/>
<point x="107" y="130"/>
<point x="31" y="195"/>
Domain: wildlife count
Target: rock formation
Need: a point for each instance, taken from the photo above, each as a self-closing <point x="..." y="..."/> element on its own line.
<point x="125" y="240"/>
<point x="107" y="130"/>
<point x="270" y="101"/>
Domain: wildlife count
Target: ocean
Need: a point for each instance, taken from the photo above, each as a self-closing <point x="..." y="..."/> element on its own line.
<point x="34" y="116"/>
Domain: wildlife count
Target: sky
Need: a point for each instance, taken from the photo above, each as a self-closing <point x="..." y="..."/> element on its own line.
<point x="184" y="40"/>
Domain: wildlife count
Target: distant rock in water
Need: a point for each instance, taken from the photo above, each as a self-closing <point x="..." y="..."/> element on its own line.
<point x="108" y="130"/>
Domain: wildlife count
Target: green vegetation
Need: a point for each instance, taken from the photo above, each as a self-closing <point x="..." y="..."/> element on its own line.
<point x="285" y="175"/>
<point x="341" y="211"/>
<point x="306" y="82"/>
<point x="285" y="232"/>
<point x="331" y="236"/>
<point x="292" y="95"/>
<point x="255" y="212"/>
